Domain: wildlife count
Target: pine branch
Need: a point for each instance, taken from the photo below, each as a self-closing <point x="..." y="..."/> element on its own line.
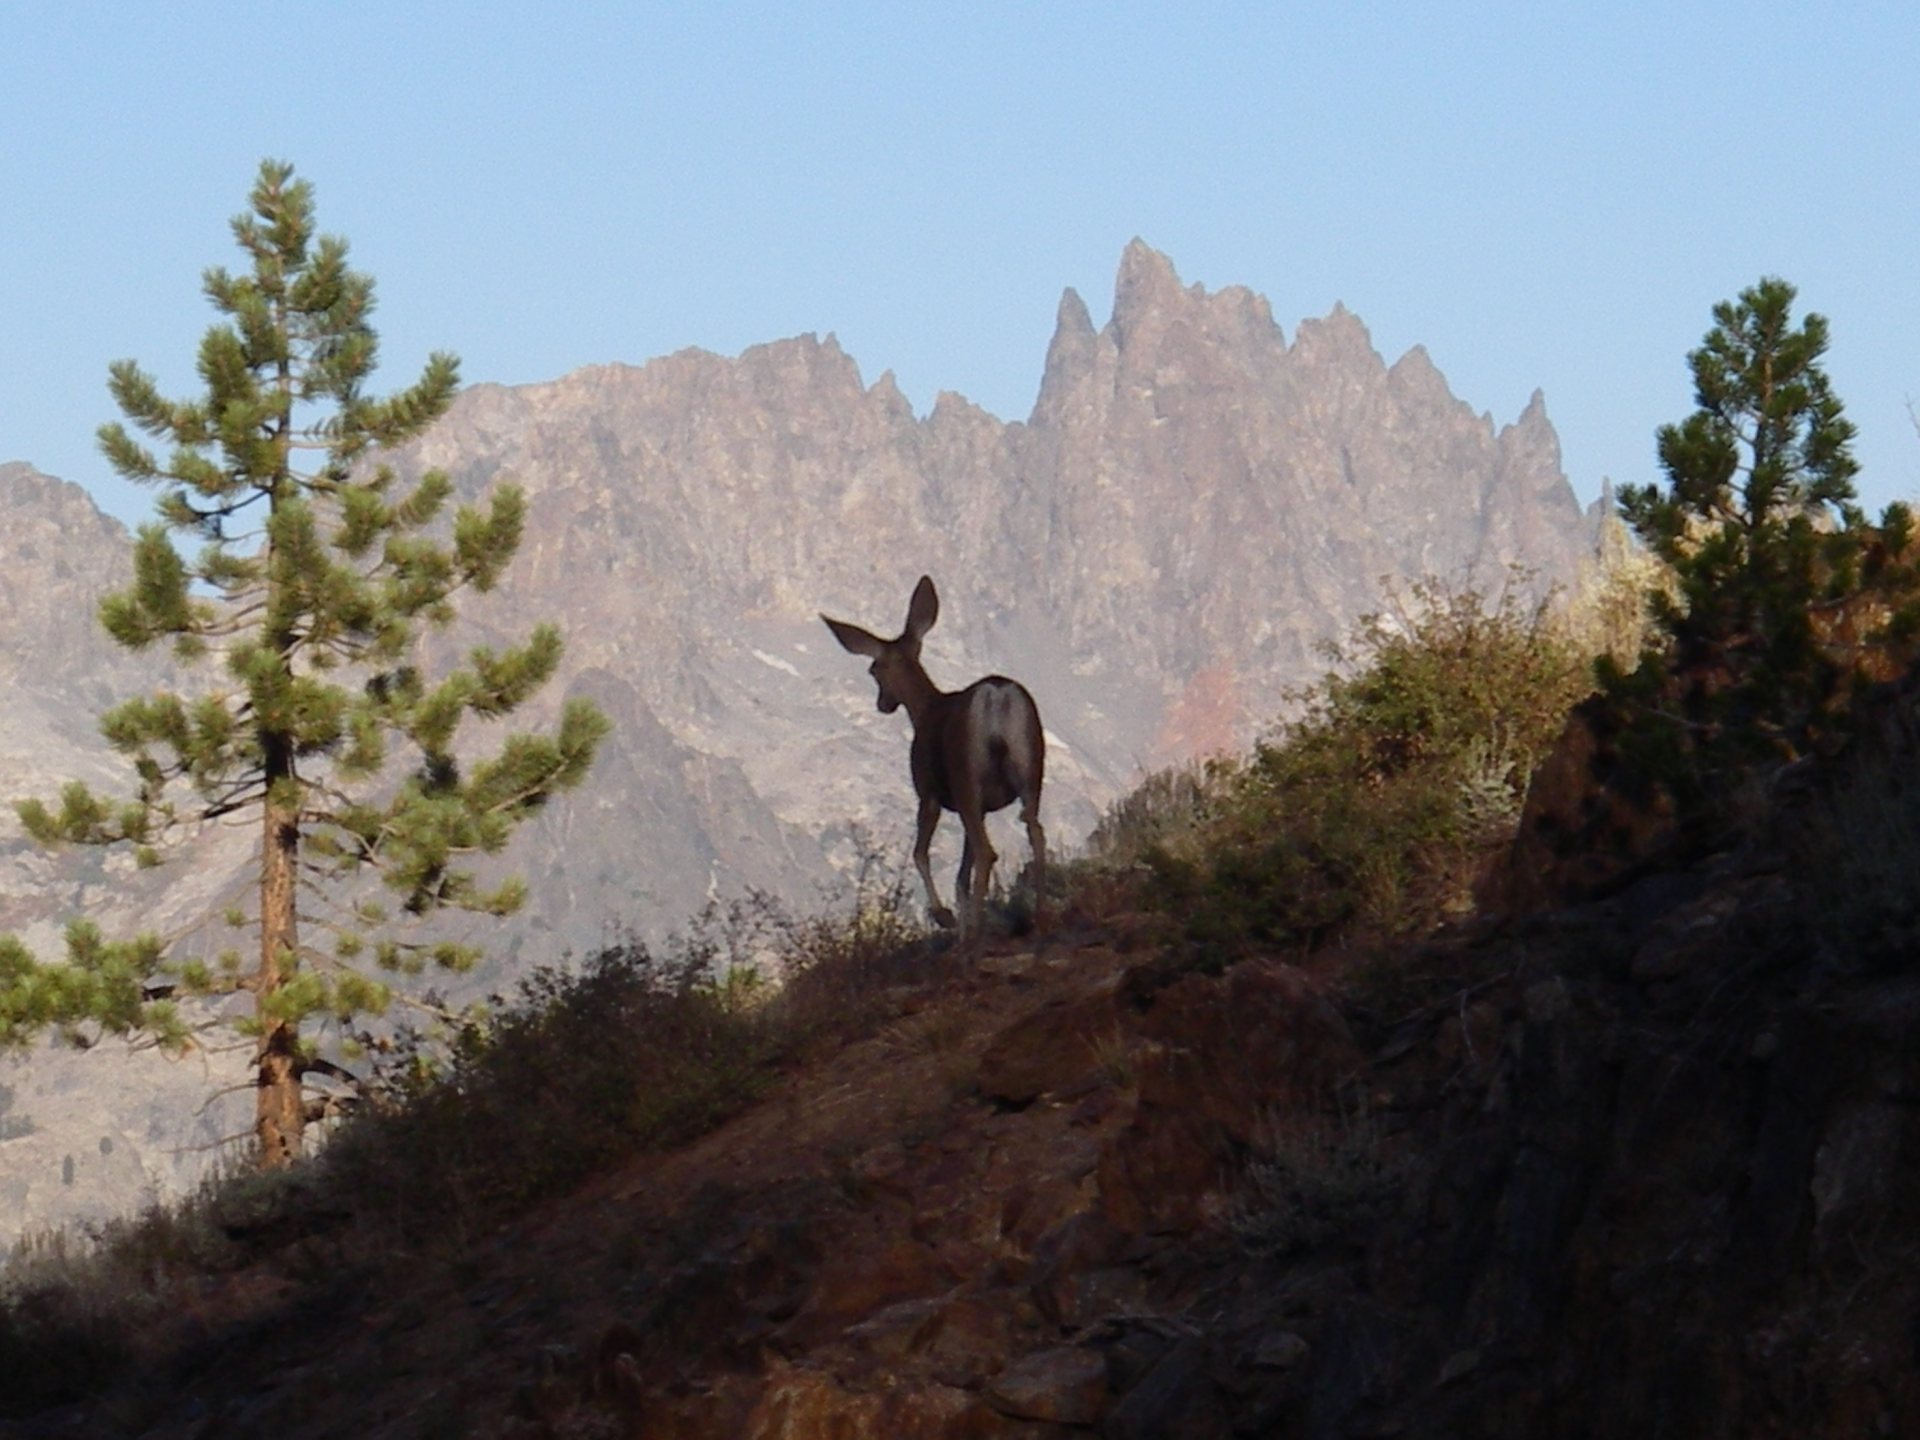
<point x="319" y="1065"/>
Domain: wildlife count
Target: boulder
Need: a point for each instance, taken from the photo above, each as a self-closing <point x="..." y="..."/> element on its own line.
<point x="1066" y="1386"/>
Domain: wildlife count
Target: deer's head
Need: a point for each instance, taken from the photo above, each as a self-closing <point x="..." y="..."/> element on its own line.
<point x="896" y="663"/>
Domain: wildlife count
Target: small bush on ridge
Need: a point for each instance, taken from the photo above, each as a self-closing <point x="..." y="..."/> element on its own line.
<point x="1369" y="812"/>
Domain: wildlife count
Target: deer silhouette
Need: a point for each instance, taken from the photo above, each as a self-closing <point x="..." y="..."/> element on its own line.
<point x="974" y="751"/>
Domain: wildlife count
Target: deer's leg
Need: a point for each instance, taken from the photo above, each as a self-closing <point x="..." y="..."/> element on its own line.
<point x="1037" y="840"/>
<point x="980" y="850"/>
<point x="922" y="844"/>
<point x="963" y="882"/>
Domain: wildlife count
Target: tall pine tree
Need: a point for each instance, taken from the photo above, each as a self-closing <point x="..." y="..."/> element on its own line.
<point x="1782" y="590"/>
<point x="313" y="572"/>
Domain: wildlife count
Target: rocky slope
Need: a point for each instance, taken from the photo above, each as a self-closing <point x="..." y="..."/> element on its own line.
<point x="1639" y="1166"/>
<point x="1193" y="504"/>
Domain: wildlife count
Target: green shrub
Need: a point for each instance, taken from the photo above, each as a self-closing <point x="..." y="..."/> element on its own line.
<point x="1167" y="804"/>
<point x="1369" y="812"/>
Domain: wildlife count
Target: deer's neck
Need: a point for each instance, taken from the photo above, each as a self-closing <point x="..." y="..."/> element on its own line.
<point x="920" y="696"/>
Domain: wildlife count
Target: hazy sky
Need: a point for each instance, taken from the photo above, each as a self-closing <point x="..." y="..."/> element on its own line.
<point x="1542" y="198"/>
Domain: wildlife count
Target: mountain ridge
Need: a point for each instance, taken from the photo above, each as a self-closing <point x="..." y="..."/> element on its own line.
<point x="1192" y="507"/>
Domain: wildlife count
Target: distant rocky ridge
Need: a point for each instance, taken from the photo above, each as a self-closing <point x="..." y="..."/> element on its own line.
<point x="1191" y="507"/>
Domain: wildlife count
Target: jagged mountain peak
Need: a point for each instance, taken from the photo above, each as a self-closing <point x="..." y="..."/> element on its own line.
<point x="1338" y="337"/>
<point x="1530" y="447"/>
<point x="817" y="358"/>
<point x="1149" y="300"/>
<point x="25" y="487"/>
<point x="1072" y="319"/>
<point x="1146" y="282"/>
<point x="1072" y="354"/>
<point x="1416" y="366"/>
<point x="952" y="405"/>
<point x="885" y="395"/>
<point x="59" y="554"/>
<point x="1532" y="429"/>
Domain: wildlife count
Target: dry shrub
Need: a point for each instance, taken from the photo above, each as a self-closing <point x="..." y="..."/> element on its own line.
<point x="584" y="1066"/>
<point x="78" y="1308"/>
<point x="66" y="1330"/>
<point x="1369" y="813"/>
<point x="1606" y="612"/>
<point x="1165" y="805"/>
<point x="838" y="965"/>
<point x="1307" y="1185"/>
<point x="630" y="1052"/>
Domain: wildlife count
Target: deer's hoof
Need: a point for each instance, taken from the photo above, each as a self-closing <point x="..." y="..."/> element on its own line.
<point x="943" y="917"/>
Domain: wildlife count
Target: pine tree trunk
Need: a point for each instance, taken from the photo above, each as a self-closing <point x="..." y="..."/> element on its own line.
<point x="279" y="1112"/>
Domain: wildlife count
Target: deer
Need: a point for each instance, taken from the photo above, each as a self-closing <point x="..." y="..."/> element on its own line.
<point x="974" y="751"/>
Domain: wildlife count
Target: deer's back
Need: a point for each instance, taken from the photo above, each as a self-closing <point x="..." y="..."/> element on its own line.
<point x="991" y="728"/>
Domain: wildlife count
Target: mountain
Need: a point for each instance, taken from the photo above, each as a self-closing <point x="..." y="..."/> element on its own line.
<point x="1192" y="506"/>
<point x="58" y="556"/>
<point x="1191" y="497"/>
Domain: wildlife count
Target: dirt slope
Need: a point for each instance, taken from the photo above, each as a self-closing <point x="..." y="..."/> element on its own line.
<point x="1642" y="1167"/>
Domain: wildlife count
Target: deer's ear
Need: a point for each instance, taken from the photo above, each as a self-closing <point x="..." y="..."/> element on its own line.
<point x="924" y="609"/>
<point x="852" y="637"/>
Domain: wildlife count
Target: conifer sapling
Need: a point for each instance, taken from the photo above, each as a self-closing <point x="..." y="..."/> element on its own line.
<point x="1782" y="588"/>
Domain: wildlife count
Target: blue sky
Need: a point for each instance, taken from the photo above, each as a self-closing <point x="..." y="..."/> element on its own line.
<point x="1544" y="196"/>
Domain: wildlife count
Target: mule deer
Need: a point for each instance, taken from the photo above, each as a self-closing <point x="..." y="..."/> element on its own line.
<point x="974" y="751"/>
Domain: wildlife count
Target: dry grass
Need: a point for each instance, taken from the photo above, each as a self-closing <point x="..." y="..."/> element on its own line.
<point x="1113" y="1055"/>
<point x="582" y="1068"/>
<point x="1309" y="1184"/>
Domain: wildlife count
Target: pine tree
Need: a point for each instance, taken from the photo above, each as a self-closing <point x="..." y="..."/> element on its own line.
<point x="1782" y="589"/>
<point x="316" y="573"/>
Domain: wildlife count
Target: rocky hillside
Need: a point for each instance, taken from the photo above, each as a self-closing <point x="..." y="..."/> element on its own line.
<point x="1637" y="1166"/>
<point x="58" y="556"/>
<point x="1193" y="504"/>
